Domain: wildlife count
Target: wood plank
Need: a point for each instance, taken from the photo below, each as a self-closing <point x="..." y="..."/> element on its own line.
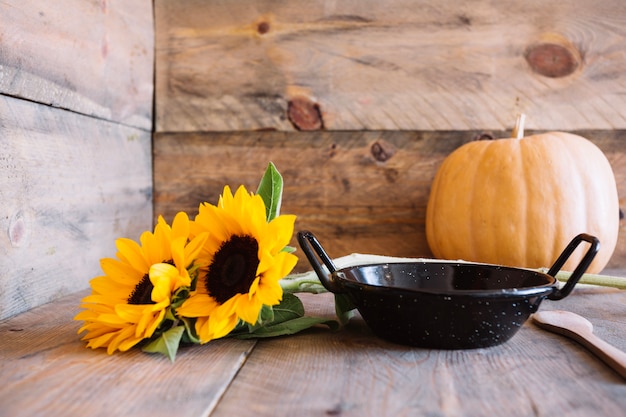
<point x="94" y="58"/>
<point x="393" y="65"/>
<point x="357" y="191"/>
<point x="351" y="373"/>
<point x="47" y="370"/>
<point x="69" y="186"/>
<point x="333" y="182"/>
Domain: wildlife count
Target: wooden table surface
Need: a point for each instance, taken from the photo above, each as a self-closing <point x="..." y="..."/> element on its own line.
<point x="46" y="371"/>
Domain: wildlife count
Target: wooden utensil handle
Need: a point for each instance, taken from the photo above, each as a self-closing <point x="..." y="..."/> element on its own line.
<point x="579" y="329"/>
<point x="611" y="355"/>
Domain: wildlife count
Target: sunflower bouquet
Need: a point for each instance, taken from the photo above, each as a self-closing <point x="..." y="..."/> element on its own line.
<point x="224" y="273"/>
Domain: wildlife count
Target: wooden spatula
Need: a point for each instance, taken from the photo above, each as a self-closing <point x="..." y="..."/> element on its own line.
<point x="580" y="329"/>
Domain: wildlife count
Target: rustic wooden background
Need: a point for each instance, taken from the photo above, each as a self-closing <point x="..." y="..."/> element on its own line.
<point x="76" y="88"/>
<point x="358" y="102"/>
<point x="335" y="182"/>
<point x="47" y="371"/>
<point x="231" y="65"/>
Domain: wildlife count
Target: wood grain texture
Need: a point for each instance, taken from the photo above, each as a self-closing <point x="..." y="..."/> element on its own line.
<point x="94" y="58"/>
<point x="351" y="373"/>
<point x="47" y="370"/>
<point x="357" y="191"/>
<point x="393" y="65"/>
<point x="69" y="186"/>
<point x="580" y="329"/>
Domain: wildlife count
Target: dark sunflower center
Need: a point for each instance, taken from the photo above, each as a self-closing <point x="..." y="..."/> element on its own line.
<point x="233" y="268"/>
<point x="142" y="294"/>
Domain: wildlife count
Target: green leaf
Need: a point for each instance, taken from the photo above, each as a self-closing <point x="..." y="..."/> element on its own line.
<point x="289" y="327"/>
<point x="288" y="249"/>
<point x="193" y="270"/>
<point x="189" y="336"/>
<point x="265" y="316"/>
<point x="179" y="297"/>
<point x="167" y="343"/>
<point x="271" y="191"/>
<point x="344" y="308"/>
<point x="288" y="319"/>
<point x="289" y="308"/>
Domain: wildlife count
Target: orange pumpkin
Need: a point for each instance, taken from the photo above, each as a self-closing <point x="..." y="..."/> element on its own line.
<point x="519" y="201"/>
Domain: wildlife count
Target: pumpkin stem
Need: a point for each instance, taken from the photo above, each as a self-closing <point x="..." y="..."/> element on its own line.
<point x="518" y="130"/>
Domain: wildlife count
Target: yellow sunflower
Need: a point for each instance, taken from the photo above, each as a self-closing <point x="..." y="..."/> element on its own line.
<point x="131" y="299"/>
<point x="246" y="261"/>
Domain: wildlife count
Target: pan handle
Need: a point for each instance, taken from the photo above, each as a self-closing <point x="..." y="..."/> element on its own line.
<point x="310" y="245"/>
<point x="580" y="269"/>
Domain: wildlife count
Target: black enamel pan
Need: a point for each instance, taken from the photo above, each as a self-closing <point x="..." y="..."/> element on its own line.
<point x="443" y="304"/>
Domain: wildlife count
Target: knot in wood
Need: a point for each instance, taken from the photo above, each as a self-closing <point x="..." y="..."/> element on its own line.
<point x="304" y="114"/>
<point x="483" y="136"/>
<point x="18" y="230"/>
<point x="553" y="59"/>
<point x="382" y="151"/>
<point x="263" y="27"/>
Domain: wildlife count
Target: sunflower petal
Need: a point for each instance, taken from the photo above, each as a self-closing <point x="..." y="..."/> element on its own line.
<point x="180" y="226"/>
<point x="131" y="252"/>
<point x="248" y="308"/>
<point x="164" y="278"/>
<point x="124" y="335"/>
<point x="197" y="305"/>
<point x="240" y="215"/>
<point x="112" y="316"/>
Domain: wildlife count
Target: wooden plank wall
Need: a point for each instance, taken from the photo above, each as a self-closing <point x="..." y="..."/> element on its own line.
<point x="95" y="58"/>
<point x="76" y="87"/>
<point x="358" y="102"/>
<point x="232" y="65"/>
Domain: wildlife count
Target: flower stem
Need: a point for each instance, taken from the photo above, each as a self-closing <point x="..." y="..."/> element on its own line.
<point x="309" y="281"/>
<point x="593" y="279"/>
<point x="306" y="282"/>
